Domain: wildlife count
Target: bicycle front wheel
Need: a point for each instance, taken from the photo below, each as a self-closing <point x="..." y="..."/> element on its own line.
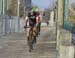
<point x="30" y="41"/>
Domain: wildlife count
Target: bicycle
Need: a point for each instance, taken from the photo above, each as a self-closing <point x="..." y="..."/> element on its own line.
<point x="31" y="39"/>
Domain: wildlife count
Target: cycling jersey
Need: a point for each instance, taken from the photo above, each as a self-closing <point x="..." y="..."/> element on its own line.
<point x="32" y="20"/>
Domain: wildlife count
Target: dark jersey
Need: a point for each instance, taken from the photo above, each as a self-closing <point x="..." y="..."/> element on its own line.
<point x="32" y="19"/>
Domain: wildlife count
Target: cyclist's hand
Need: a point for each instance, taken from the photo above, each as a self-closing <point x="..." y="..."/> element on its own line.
<point x="24" y="27"/>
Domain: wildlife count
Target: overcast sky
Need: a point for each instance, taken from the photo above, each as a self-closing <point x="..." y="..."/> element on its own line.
<point x="46" y="3"/>
<point x="71" y="1"/>
<point x="43" y="3"/>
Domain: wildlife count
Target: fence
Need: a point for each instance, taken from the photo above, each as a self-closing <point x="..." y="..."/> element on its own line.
<point x="11" y="24"/>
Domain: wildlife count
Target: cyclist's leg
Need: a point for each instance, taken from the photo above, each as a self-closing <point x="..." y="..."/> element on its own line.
<point x="34" y="29"/>
<point x="34" y="33"/>
<point x="29" y="41"/>
<point x="37" y="29"/>
<point x="40" y="27"/>
<point x="27" y="34"/>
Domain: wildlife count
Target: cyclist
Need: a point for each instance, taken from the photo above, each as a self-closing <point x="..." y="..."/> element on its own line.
<point x="39" y="21"/>
<point x="39" y="17"/>
<point x="31" y="21"/>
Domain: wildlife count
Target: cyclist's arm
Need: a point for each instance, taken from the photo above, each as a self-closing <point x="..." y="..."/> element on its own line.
<point x="37" y="21"/>
<point x="26" y="20"/>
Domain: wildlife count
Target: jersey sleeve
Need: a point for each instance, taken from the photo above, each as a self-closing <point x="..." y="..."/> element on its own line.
<point x="26" y="18"/>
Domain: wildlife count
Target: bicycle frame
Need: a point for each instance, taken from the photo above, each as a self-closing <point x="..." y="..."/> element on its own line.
<point x="31" y="36"/>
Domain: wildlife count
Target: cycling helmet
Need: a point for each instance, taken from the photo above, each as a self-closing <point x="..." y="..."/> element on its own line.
<point x="35" y="9"/>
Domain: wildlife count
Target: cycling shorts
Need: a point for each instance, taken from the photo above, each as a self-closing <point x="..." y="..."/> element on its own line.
<point x="32" y="24"/>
